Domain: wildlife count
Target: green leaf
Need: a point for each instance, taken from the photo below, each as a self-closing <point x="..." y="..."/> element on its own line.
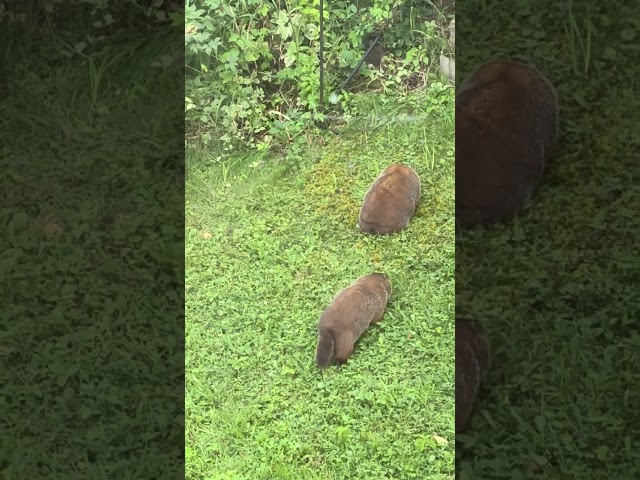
<point x="250" y="57"/>
<point x="628" y="34"/>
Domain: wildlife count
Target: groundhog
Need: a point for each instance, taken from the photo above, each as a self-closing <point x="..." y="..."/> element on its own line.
<point x="348" y="316"/>
<point x="472" y="362"/>
<point x="506" y="126"/>
<point x="391" y="201"/>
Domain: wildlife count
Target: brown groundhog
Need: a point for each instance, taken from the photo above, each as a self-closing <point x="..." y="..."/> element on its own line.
<point x="472" y="362"/>
<point x="506" y="127"/>
<point x="391" y="201"/>
<point x="348" y="316"/>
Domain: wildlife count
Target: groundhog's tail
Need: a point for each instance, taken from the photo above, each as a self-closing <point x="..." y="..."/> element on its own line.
<point x="325" y="348"/>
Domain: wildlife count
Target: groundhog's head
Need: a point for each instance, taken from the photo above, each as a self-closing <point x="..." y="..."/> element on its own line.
<point x="386" y="281"/>
<point x="397" y="168"/>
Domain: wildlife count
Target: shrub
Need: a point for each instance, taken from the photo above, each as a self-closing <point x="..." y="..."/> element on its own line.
<point x="252" y="66"/>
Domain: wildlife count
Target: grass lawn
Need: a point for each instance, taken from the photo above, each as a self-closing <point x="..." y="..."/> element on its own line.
<point x="265" y="254"/>
<point x="556" y="289"/>
<point x="90" y="330"/>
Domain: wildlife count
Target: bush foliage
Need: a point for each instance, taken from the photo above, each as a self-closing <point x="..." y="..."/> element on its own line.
<point x="252" y="67"/>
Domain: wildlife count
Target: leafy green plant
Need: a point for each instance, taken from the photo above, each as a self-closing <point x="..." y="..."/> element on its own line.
<point x="252" y="66"/>
<point x="83" y="26"/>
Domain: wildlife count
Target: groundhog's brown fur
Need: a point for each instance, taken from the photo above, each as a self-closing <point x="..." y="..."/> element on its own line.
<point x="506" y="127"/>
<point x="349" y="315"/>
<point x="472" y="362"/>
<point x="391" y="201"/>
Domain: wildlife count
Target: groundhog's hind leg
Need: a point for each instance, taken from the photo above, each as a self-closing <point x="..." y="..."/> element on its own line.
<point x="343" y="346"/>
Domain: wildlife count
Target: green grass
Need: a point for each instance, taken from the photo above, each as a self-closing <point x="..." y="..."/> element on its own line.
<point x="556" y="289"/>
<point x="88" y="177"/>
<point x="265" y="253"/>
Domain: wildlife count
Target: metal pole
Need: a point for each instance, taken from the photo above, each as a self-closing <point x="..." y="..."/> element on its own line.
<point x="321" y="56"/>
<point x="355" y="70"/>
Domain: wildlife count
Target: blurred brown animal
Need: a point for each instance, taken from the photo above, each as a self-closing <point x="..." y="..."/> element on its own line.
<point x="391" y="201"/>
<point x="349" y="315"/>
<point x="473" y="359"/>
<point x="506" y="126"/>
<point x="377" y="53"/>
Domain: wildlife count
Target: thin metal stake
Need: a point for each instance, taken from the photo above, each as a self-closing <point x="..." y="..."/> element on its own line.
<point x="321" y="56"/>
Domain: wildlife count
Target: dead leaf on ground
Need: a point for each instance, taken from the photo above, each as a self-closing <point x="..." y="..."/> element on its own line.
<point x="440" y="440"/>
<point x="51" y="229"/>
<point x="534" y="467"/>
<point x="6" y="350"/>
<point x="49" y="225"/>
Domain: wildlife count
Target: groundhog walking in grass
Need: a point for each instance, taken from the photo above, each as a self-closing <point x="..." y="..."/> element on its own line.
<point x="472" y="362"/>
<point x="391" y="201"/>
<point x="506" y="126"/>
<point x="349" y="315"/>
